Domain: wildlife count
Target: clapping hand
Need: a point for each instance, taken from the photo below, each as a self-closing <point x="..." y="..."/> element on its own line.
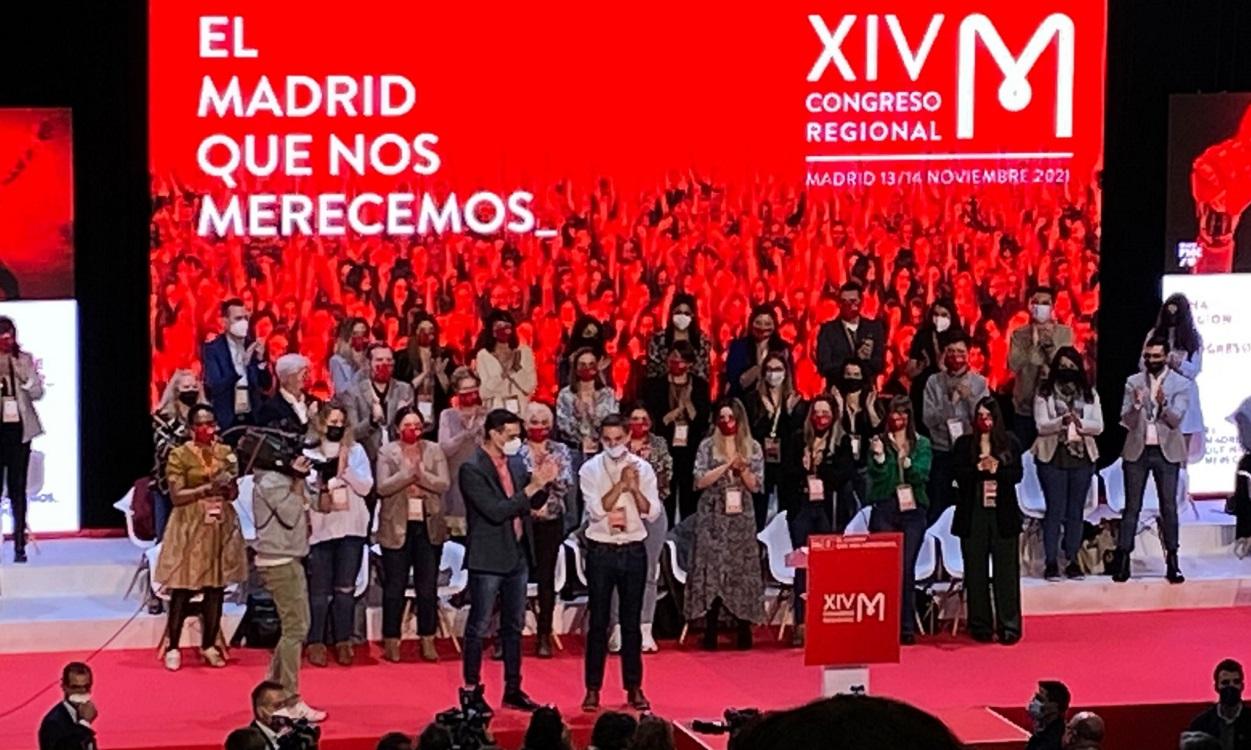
<point x="865" y="350"/>
<point x="1161" y="399"/>
<point x="988" y="464"/>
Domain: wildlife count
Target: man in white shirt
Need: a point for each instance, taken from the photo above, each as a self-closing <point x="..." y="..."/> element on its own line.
<point x="619" y="489"/>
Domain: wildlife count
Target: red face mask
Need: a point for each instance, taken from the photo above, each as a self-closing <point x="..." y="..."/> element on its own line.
<point x="469" y="399"/>
<point x="382" y="373"/>
<point x="728" y="427"/>
<point x="849" y="309"/>
<point x="822" y="422"/>
<point x="503" y="334"/>
<point x="762" y="334"/>
<point x="425" y="338"/>
<point x="410" y="435"/>
<point x="587" y="374"/>
<point x="204" y="433"/>
<point x="7" y="344"/>
<point x="984" y="424"/>
<point x="639" y="430"/>
<point x="955" y="363"/>
<point x="360" y="342"/>
<point x="896" y="422"/>
<point x="678" y="367"/>
<point x="538" y="434"/>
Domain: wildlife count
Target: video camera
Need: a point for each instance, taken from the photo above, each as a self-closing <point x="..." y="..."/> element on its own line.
<point x="266" y="448"/>
<point x="470" y="728"/>
<point x="298" y="734"/>
<point x="734" y="721"/>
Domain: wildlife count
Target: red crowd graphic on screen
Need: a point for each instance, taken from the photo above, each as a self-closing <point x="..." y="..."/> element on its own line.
<point x="622" y="179"/>
<point x="36" y="204"/>
<point x="1221" y="184"/>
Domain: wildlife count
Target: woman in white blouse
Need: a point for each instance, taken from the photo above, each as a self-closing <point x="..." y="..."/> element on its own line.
<point x="338" y="527"/>
<point x="504" y="365"/>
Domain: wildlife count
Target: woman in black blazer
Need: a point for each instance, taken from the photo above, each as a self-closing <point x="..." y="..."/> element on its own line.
<point x="987" y="467"/>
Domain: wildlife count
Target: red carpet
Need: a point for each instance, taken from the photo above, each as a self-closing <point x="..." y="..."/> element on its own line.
<point x="1128" y="659"/>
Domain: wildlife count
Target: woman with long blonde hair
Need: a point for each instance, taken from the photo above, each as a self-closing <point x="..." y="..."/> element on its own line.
<point x="725" y="569"/>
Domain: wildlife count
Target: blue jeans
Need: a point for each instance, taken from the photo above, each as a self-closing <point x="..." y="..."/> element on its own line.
<point x="1065" y="493"/>
<point x="162" y="506"/>
<point x="484" y="588"/>
<point x="1165" y="473"/>
<point x="332" y="568"/>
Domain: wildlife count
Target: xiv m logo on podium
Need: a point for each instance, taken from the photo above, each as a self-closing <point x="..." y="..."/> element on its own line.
<point x="839" y="608"/>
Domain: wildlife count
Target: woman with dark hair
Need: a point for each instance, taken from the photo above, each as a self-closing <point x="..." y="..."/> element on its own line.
<point x="348" y="361"/>
<point x="925" y="356"/>
<point x="683" y="327"/>
<point x="681" y="402"/>
<point x="774" y="411"/>
<point x="428" y="366"/>
<point x="987" y="467"/>
<point x="858" y="419"/>
<point x="587" y="333"/>
<point x="1069" y="417"/>
<point x="504" y="365"/>
<point x="725" y="561"/>
<point x="745" y="357"/>
<point x="583" y="404"/>
<point x="899" y="470"/>
<point x="1176" y="325"/>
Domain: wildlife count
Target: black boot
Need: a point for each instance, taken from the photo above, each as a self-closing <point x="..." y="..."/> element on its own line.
<point x="473" y="700"/>
<point x="710" y="626"/>
<point x="744" y="635"/>
<point x="1173" y="571"/>
<point x="1120" y="566"/>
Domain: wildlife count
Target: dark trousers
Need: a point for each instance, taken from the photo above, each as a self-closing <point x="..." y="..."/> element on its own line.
<point x="1064" y="491"/>
<point x="982" y="548"/>
<point x="162" y="506"/>
<point x="805" y="519"/>
<point x="210" y="615"/>
<point x="422" y="558"/>
<point x="484" y="589"/>
<point x="332" y="569"/>
<point x="15" y="462"/>
<point x="886" y="516"/>
<point x="682" y="499"/>
<point x="760" y="500"/>
<point x="850" y="497"/>
<point x="549" y="536"/>
<point x="1164" y="473"/>
<point x="1025" y="429"/>
<point x="941" y="494"/>
<point x="621" y="568"/>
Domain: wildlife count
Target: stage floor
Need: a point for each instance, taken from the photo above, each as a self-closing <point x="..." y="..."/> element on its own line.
<point x="1106" y="659"/>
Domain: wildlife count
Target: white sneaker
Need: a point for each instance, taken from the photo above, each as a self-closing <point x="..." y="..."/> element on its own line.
<point x="304" y="711"/>
<point x="173" y="660"/>
<point x="649" y="643"/>
<point x="614" y="640"/>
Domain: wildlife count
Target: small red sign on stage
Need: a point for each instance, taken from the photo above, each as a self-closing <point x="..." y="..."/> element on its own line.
<point x="854" y="585"/>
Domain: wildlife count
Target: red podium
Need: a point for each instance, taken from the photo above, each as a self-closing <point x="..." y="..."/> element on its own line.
<point x="852" y="615"/>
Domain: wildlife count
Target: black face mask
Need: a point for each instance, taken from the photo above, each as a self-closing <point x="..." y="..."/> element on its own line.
<point x="1230" y="695"/>
<point x="1065" y="375"/>
<point x="1169" y="318"/>
<point x="1155" y="368"/>
<point x="188" y="398"/>
<point x="334" y="433"/>
<point x="850" y="385"/>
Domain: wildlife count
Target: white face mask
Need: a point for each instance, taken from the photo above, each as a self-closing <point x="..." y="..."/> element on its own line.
<point x="78" y="699"/>
<point x="512" y="447"/>
<point x="941" y="323"/>
<point x="239" y="328"/>
<point x="775" y="378"/>
<point x="1042" y="313"/>
<point x="681" y="321"/>
<point x="616" y="452"/>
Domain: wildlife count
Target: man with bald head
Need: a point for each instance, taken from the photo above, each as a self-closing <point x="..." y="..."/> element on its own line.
<point x="1084" y="732"/>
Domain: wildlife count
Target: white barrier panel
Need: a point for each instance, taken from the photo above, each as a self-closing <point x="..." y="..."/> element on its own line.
<point x="1222" y="312"/>
<point x="49" y="331"/>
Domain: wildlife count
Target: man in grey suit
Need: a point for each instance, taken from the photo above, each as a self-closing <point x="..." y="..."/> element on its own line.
<point x="1152" y="411"/>
<point x="375" y="398"/>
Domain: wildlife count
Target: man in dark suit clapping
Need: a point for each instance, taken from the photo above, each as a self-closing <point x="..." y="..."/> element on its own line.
<point x="499" y="495"/>
<point x="68" y="725"/>
<point x="851" y="336"/>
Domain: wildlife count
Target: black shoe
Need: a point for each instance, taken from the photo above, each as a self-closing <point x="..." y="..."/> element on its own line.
<point x="156" y="607"/>
<point x="1173" y="570"/>
<point x="1009" y="639"/>
<point x="590" y="703"/>
<point x="907" y="639"/>
<point x="1120" y="566"/>
<point x="497" y="650"/>
<point x="544" y="650"/>
<point x="743" y="642"/>
<point x="1052" y="572"/>
<point x="519" y="701"/>
<point x="710" y="634"/>
<point x="638" y="701"/>
<point x="982" y="637"/>
<point x="472" y="700"/>
<point x="19" y="556"/>
<point x="1073" y="571"/>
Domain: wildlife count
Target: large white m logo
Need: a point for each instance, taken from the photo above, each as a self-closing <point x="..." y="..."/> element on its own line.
<point x="1015" y="92"/>
<point x="870" y="606"/>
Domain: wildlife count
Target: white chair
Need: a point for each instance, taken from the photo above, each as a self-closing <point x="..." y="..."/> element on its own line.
<point x="776" y="537"/>
<point x="579" y="570"/>
<point x="671" y="547"/>
<point x="925" y="569"/>
<point x="1114" y="484"/>
<point x="949" y="553"/>
<point x="125" y="505"/>
<point x="1029" y="493"/>
<point x="243" y="509"/>
<point x="859" y="523"/>
<point x="453" y="561"/>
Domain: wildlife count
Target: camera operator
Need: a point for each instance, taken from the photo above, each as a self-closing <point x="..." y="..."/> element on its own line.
<point x="280" y="507"/>
<point x="274" y="718"/>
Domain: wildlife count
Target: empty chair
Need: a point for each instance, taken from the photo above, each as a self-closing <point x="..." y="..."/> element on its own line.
<point x="776" y="537"/>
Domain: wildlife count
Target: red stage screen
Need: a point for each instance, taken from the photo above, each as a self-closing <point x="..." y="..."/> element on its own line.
<point x="381" y="157"/>
<point x="36" y="204"/>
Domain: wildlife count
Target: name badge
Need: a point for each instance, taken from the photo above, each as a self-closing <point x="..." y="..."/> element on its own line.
<point x="990" y="492"/>
<point x="733" y="502"/>
<point x="416" y="505"/>
<point x="955" y="428"/>
<point x="426" y="407"/>
<point x="772" y="450"/>
<point x="339" y="499"/>
<point x="1073" y="437"/>
<point x="907" y="501"/>
<point x="242" y="403"/>
<point x="681" y="432"/>
<point x="213" y="511"/>
<point x="590" y="446"/>
<point x="855" y="447"/>
<point x="10" y="410"/>
<point x="816" y="489"/>
<point x="617" y="519"/>
<point x="513" y="404"/>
